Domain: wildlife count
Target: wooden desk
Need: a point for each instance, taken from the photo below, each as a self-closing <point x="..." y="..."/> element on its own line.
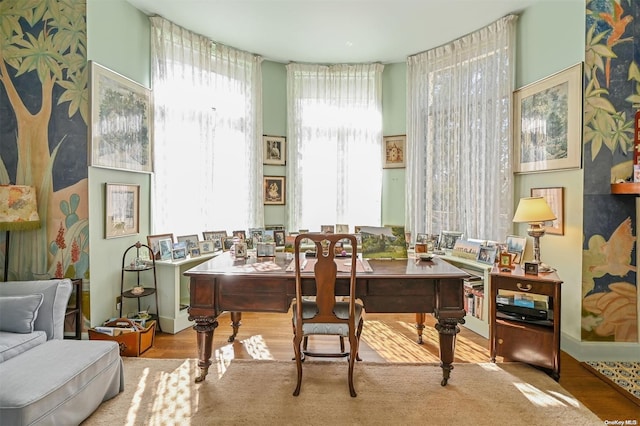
<point x="395" y="286"/>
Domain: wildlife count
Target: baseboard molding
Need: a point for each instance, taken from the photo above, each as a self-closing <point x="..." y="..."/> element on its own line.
<point x="599" y="351"/>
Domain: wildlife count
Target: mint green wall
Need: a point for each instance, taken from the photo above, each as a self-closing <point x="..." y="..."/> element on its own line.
<point x="118" y="38"/>
<point x="540" y="53"/>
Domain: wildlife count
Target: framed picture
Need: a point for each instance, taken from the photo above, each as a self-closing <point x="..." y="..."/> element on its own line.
<point x="191" y="241"/>
<point x="342" y="228"/>
<point x="122" y="210"/>
<point x="327" y="229"/>
<point x="206" y="246"/>
<point x="487" y="254"/>
<point x="166" y="248"/>
<point x="448" y="239"/>
<point x="393" y="150"/>
<point x="279" y="239"/>
<point x="555" y="198"/>
<point x="506" y="260"/>
<point x="212" y="235"/>
<point x="194" y="252"/>
<point x="516" y="245"/>
<point x="240" y="234"/>
<point x="227" y="243"/>
<point x="121" y="122"/>
<point x="548" y="123"/>
<point x="153" y="241"/>
<point x="179" y="253"/>
<point x="274" y="150"/>
<point x="274" y="190"/>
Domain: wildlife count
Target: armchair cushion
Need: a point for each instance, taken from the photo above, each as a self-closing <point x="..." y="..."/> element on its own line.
<point x="54" y="304"/>
<point x="18" y="313"/>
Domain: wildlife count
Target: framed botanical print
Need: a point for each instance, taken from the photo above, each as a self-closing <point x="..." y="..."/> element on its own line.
<point x="393" y="151"/>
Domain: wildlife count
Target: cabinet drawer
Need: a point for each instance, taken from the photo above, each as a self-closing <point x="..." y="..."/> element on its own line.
<point x="522" y="285"/>
<point x="526" y="343"/>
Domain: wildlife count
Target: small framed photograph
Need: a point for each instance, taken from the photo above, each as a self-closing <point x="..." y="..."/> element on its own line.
<point x="255" y="235"/>
<point x="122" y="210"/>
<point x="242" y="235"/>
<point x="266" y="250"/>
<point x="166" y="248"/>
<point x="194" y="252"/>
<point x="179" y="253"/>
<point x="531" y="268"/>
<point x="274" y="190"/>
<point x="327" y="229"/>
<point x="274" y="227"/>
<point x="269" y="236"/>
<point x="342" y="228"/>
<point x="217" y="243"/>
<point x="448" y="239"/>
<point x="274" y="150"/>
<point x="516" y="245"/>
<point x="487" y="254"/>
<point x="212" y="235"/>
<point x="506" y="261"/>
<point x="153" y="241"/>
<point x="227" y="243"/>
<point x="191" y="241"/>
<point x="206" y="246"/>
<point x="240" y="250"/>
<point x="393" y="150"/>
<point x="555" y="198"/>
<point x="278" y="237"/>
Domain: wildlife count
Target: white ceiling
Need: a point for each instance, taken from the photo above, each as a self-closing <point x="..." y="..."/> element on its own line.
<point x="333" y="31"/>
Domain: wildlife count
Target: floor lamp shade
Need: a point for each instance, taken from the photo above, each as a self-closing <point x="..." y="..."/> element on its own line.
<point x="18" y="212"/>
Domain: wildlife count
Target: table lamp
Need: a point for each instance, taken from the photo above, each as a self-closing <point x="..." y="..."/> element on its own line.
<point x="535" y="211"/>
<point x="18" y="212"/>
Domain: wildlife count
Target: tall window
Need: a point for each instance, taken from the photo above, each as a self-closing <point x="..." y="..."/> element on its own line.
<point x="459" y="169"/>
<point x="335" y="142"/>
<point x="208" y="134"/>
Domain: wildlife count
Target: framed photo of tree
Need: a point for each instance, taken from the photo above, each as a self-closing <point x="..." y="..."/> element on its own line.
<point x="121" y="122"/>
<point x="122" y="205"/>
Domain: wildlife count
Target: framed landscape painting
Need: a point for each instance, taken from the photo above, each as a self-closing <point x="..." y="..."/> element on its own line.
<point x="122" y="213"/>
<point x="548" y="123"/>
<point x="121" y="122"/>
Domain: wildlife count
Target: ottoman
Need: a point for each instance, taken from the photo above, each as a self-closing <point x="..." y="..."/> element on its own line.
<point x="60" y="382"/>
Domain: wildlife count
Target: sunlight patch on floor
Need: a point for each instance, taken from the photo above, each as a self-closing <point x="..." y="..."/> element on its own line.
<point x="537" y="396"/>
<point x="393" y="346"/>
<point x="257" y="347"/>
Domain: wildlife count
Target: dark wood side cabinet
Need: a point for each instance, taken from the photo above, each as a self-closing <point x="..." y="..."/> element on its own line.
<point x="75" y="310"/>
<point x="520" y="334"/>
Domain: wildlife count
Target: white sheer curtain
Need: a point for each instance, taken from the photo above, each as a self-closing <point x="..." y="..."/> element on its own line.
<point x="334" y="160"/>
<point x="459" y="169"/>
<point x="207" y="134"/>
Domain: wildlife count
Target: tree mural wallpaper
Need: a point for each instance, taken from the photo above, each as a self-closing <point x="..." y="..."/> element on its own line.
<point x="611" y="98"/>
<point x="43" y="132"/>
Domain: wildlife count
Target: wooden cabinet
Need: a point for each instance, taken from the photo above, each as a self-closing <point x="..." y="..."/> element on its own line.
<point x="75" y="310"/>
<point x="143" y="272"/>
<point x="522" y="333"/>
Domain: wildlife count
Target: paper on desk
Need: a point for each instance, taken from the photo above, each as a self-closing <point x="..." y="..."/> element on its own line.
<point x="343" y="265"/>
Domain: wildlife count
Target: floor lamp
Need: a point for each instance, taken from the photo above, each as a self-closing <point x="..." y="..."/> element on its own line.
<point x="18" y="212"/>
<point x="535" y="211"/>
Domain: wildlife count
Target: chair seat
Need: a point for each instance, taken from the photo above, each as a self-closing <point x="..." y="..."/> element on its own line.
<point x="309" y="310"/>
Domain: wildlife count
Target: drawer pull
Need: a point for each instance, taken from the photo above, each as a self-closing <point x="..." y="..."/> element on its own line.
<point x="524" y="287"/>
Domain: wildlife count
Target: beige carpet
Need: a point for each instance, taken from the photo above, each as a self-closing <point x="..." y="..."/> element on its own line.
<point x="163" y="392"/>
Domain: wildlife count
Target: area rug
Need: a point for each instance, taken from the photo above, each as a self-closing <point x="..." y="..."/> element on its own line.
<point x="622" y="376"/>
<point x="256" y="392"/>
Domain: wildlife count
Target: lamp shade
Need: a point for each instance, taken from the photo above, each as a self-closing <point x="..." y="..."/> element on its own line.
<point x="533" y="209"/>
<point x="18" y="208"/>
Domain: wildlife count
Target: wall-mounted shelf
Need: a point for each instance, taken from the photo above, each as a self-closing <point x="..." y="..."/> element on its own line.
<point x="628" y="188"/>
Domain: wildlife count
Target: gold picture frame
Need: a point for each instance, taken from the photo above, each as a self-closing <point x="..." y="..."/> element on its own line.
<point x="547" y="125"/>
<point x="122" y="210"/>
<point x="393" y="151"/>
<point x="554" y="196"/>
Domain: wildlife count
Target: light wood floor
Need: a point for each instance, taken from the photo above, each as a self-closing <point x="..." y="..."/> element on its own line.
<point x="386" y="338"/>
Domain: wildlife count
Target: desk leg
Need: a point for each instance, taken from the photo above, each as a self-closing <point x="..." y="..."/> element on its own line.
<point x="236" y="318"/>
<point x="447" y="329"/>
<point x="205" y="327"/>
<point x="420" y="318"/>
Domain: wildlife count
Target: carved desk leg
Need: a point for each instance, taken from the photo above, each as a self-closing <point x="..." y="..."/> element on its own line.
<point x="236" y="318"/>
<point x="420" y="318"/>
<point x="205" y="327"/>
<point x="447" y="330"/>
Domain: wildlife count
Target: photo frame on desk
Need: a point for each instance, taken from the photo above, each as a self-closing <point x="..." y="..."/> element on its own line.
<point x="153" y="241"/>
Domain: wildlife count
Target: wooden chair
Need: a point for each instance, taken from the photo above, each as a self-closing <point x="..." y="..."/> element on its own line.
<point x="325" y="315"/>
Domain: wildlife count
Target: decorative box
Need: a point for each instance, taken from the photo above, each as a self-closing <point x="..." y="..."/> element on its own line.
<point x="133" y="338"/>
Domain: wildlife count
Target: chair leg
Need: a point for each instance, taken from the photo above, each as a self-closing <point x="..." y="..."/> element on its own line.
<point x="353" y="343"/>
<point x="341" y="344"/>
<point x="298" y="356"/>
<point x="358" y="333"/>
<point x="304" y="343"/>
